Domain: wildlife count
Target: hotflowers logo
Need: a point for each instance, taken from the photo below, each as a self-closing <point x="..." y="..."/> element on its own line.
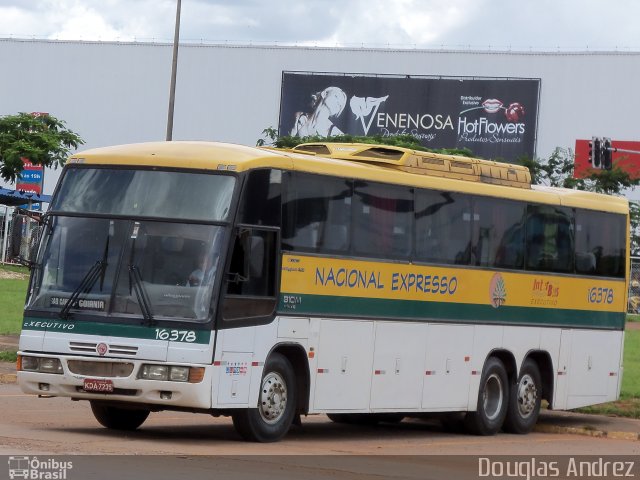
<point x="35" y="469"/>
<point x="492" y="105"/>
<point x="491" y="129"/>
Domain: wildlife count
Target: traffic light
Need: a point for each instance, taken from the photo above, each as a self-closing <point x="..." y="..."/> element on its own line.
<point x="595" y="152"/>
<point x="606" y="154"/>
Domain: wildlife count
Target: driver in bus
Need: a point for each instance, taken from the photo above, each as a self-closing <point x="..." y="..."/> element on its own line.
<point x="196" y="277"/>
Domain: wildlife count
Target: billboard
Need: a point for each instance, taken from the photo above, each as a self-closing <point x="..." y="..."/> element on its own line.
<point x="629" y="162"/>
<point x="30" y="180"/>
<point x="496" y="118"/>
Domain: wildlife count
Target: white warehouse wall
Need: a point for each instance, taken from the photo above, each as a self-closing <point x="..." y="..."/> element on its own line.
<point x="114" y="93"/>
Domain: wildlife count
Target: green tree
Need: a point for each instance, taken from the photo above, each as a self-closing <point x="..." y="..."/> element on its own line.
<point x="42" y="139"/>
<point x="558" y="169"/>
<point x="634" y="214"/>
<point x="270" y="137"/>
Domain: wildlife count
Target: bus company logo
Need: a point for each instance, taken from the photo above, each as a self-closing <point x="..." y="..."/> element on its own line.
<point x="497" y="291"/>
<point x="236" y="368"/>
<point x="544" y="292"/>
<point x="33" y="468"/>
<point x="102" y="348"/>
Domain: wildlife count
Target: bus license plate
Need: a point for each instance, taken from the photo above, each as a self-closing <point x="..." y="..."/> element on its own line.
<point x="98" y="385"/>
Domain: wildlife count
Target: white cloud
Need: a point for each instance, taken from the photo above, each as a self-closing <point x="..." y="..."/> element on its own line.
<point x="80" y="22"/>
<point x="423" y="23"/>
<point x="18" y="21"/>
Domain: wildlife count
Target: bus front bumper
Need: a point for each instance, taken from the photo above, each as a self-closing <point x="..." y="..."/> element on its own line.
<point x="130" y="388"/>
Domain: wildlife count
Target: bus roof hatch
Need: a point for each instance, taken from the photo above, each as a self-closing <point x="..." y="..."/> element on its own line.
<point x="424" y="163"/>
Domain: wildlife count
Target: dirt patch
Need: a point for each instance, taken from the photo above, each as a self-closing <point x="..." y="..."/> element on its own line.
<point x="632" y="326"/>
<point x="7" y="368"/>
<point x="9" y="343"/>
<point x="8" y="275"/>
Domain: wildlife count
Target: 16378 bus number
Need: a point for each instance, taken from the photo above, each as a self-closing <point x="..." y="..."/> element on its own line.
<point x="600" y="295"/>
<point x="188" y="336"/>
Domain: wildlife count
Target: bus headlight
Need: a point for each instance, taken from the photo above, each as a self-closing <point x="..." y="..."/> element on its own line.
<point x="40" y="364"/>
<point x="179" y="374"/>
<point x="155" y="372"/>
<point x="173" y="373"/>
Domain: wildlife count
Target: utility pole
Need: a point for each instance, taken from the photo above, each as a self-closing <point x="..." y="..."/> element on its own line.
<point x="174" y="71"/>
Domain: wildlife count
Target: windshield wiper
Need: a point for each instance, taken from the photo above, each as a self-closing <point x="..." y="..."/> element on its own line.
<point x="135" y="280"/>
<point x="90" y="278"/>
<point x="87" y="283"/>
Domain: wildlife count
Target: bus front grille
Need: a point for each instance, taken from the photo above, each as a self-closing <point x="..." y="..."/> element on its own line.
<point x="88" y="347"/>
<point x="100" y="369"/>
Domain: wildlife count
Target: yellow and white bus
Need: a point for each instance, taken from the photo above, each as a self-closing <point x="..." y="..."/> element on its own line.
<point x="366" y="282"/>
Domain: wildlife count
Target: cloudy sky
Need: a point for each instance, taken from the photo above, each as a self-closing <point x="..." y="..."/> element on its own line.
<point x="496" y="24"/>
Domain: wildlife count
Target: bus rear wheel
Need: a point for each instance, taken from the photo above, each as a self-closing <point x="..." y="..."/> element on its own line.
<point x="276" y="404"/>
<point x="524" y="400"/>
<point x="118" y="418"/>
<point x="493" y="396"/>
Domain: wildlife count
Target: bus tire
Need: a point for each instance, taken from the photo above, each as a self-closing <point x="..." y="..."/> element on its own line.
<point x="276" y="404"/>
<point x="493" y="397"/>
<point x="116" y="418"/>
<point x="524" y="400"/>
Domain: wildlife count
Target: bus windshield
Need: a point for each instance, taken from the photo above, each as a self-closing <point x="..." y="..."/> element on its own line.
<point x="145" y="193"/>
<point x="101" y="258"/>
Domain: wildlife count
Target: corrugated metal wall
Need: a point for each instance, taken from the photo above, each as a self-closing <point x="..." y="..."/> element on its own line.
<point x="118" y="93"/>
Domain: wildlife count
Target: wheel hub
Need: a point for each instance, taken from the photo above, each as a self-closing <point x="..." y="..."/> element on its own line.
<point x="492" y="396"/>
<point x="527" y="395"/>
<point x="273" y="398"/>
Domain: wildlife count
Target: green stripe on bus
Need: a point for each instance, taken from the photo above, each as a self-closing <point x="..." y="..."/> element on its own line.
<point x="429" y="311"/>
<point x="118" y="330"/>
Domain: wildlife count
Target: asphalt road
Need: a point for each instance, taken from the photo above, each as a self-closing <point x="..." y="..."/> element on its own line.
<point x="183" y="445"/>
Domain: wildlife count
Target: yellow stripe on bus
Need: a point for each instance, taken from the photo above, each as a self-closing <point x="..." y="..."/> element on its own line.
<point x="383" y="280"/>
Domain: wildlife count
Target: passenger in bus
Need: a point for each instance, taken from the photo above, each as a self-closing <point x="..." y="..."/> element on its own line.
<point x="196" y="277"/>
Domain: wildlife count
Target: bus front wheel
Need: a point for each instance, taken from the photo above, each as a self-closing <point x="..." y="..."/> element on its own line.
<point x="118" y="418"/>
<point x="493" y="397"/>
<point x="524" y="400"/>
<point x="276" y="404"/>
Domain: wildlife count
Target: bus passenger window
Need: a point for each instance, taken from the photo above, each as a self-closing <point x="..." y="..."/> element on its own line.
<point x="316" y="213"/>
<point x="443" y="227"/>
<point x="382" y="220"/>
<point x="549" y="239"/>
<point x="600" y="243"/>
<point x="498" y="233"/>
<point x="261" y="198"/>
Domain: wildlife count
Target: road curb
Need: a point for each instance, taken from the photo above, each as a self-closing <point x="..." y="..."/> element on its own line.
<point x="588" y="432"/>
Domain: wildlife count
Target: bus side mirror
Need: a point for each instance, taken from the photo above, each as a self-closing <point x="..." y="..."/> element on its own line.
<point x="34" y="243"/>
<point x="240" y="268"/>
<point x="248" y="257"/>
<point x="256" y="256"/>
